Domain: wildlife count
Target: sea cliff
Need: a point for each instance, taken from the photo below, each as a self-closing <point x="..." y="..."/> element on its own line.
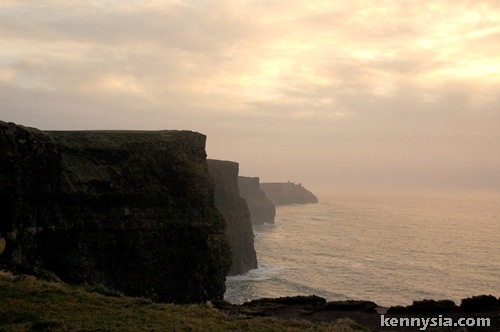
<point x="288" y="193"/>
<point x="131" y="210"/>
<point x="234" y="209"/>
<point x="262" y="210"/>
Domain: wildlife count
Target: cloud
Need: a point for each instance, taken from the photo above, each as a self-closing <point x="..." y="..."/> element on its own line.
<point x="381" y="87"/>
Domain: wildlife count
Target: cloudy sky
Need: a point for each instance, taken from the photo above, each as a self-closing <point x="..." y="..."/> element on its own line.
<point x="359" y="93"/>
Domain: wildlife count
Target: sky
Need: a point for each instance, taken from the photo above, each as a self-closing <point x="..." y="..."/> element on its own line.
<point x="331" y="94"/>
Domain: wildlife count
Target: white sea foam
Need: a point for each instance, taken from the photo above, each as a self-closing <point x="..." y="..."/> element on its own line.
<point x="263" y="272"/>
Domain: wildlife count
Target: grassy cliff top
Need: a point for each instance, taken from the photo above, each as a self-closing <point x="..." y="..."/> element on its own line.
<point x="29" y="304"/>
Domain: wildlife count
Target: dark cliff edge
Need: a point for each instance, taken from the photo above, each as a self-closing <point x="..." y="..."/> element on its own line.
<point x="367" y="314"/>
<point x="131" y="210"/>
<point x="93" y="308"/>
<point x="288" y="193"/>
<point x="262" y="210"/>
<point x="235" y="211"/>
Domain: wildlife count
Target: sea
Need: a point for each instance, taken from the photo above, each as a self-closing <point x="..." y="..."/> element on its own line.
<point x="390" y="247"/>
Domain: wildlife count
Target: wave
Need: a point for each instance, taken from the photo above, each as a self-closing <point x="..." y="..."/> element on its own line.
<point x="263" y="272"/>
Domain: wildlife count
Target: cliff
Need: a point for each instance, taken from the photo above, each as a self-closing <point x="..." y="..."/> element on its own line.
<point x="234" y="209"/>
<point x="262" y="210"/>
<point x="133" y="211"/>
<point x="288" y="193"/>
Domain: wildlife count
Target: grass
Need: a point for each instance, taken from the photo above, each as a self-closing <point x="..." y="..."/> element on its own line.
<point x="30" y="304"/>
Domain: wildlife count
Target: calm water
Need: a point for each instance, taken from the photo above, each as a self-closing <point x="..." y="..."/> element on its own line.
<point x="386" y="247"/>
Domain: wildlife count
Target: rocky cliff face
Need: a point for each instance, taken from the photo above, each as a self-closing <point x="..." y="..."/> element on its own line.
<point x="239" y="231"/>
<point x="131" y="210"/>
<point x="288" y="193"/>
<point x="262" y="210"/>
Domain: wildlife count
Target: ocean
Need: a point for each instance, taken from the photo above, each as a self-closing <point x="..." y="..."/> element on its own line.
<point x="388" y="247"/>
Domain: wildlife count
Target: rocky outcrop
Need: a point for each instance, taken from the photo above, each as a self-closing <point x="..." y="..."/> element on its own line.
<point x="288" y="193"/>
<point x="367" y="315"/>
<point x="262" y="210"/>
<point x="235" y="211"/>
<point x="2" y="244"/>
<point x="480" y="303"/>
<point x="425" y="307"/>
<point x="131" y="210"/>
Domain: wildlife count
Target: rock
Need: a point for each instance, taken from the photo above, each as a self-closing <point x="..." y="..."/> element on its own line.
<point x="351" y="305"/>
<point x="2" y="244"/>
<point x="476" y="304"/>
<point x="425" y="307"/>
<point x="133" y="211"/>
<point x="288" y="300"/>
<point x="310" y="307"/>
<point x="480" y="303"/>
<point x="288" y="193"/>
<point x="235" y="211"/>
<point x="262" y="210"/>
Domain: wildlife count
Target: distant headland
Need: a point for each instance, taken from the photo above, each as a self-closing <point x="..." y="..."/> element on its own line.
<point x="282" y="193"/>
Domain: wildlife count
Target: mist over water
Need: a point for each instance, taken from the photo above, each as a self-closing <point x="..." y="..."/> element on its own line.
<point x="387" y="247"/>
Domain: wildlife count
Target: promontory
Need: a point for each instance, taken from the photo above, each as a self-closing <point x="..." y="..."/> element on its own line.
<point x="282" y="193"/>
<point x="131" y="210"/>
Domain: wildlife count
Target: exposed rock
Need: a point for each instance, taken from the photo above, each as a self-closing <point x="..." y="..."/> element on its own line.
<point x="235" y="211"/>
<point x="262" y="210"/>
<point x="133" y="211"/>
<point x="288" y="193"/>
<point x="425" y="307"/>
<point x="2" y="244"/>
<point x="351" y="305"/>
<point x="288" y="300"/>
<point x="364" y="313"/>
<point x="312" y="303"/>
<point x="480" y="303"/>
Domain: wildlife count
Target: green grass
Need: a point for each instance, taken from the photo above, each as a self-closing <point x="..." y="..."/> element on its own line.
<point x="30" y="304"/>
